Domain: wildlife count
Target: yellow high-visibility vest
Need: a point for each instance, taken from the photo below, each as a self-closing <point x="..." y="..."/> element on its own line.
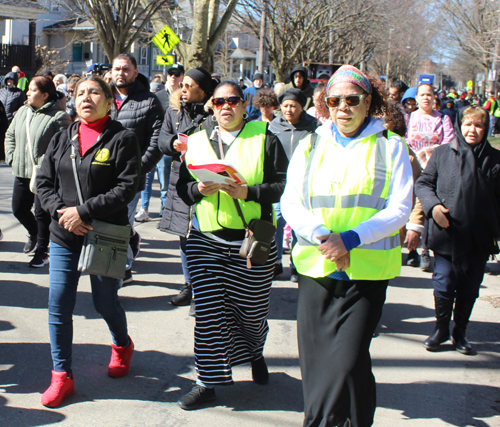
<point x="345" y="188"/>
<point x="246" y="154"/>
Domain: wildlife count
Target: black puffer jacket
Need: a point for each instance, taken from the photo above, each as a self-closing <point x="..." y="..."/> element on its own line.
<point x="11" y="97"/>
<point x="306" y="86"/>
<point x="179" y="118"/>
<point x="290" y="135"/>
<point x="142" y="113"/>
<point x="108" y="184"/>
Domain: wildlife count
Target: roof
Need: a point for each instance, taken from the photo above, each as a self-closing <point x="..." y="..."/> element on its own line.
<point x="20" y="9"/>
<point x="75" y="24"/>
<point x="243" y="54"/>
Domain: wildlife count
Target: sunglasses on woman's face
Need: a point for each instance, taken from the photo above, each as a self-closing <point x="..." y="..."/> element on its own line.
<point x="232" y="101"/>
<point x="333" y="101"/>
<point x="177" y="74"/>
<point x="188" y="86"/>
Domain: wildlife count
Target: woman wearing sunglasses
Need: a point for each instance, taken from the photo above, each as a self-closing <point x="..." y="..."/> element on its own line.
<point x="232" y="301"/>
<point x="349" y="191"/>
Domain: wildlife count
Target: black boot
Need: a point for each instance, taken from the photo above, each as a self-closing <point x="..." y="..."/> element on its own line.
<point x="461" y="317"/>
<point x="184" y="297"/>
<point x="441" y="332"/>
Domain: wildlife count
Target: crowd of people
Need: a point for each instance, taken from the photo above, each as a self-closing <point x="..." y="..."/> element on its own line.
<point x="344" y="174"/>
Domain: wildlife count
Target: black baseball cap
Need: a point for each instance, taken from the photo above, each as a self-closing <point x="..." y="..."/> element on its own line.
<point x="176" y="67"/>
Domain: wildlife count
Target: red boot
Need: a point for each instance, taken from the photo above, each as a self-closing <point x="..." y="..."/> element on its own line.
<point x="119" y="364"/>
<point x="61" y="386"/>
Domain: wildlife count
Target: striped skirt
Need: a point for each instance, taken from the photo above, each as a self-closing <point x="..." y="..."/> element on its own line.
<point x="232" y="304"/>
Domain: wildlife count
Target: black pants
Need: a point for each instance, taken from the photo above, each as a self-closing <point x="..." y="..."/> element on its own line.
<point x="451" y="283"/>
<point x="336" y="321"/>
<point x="22" y="201"/>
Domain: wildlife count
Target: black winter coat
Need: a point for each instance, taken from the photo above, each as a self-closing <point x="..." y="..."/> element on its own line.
<point x="142" y="113"/>
<point x="437" y="185"/>
<point x="290" y="135"/>
<point x="179" y="118"/>
<point x="12" y="98"/>
<point x="108" y="184"/>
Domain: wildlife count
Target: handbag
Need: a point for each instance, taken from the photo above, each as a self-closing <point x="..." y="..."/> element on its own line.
<point x="36" y="168"/>
<point x="105" y="247"/>
<point x="259" y="234"/>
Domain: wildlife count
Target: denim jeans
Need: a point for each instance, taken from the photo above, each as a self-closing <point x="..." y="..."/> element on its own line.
<point x="280" y="225"/>
<point x="163" y="167"/>
<point x="132" y="206"/>
<point x="64" y="278"/>
<point x="185" y="269"/>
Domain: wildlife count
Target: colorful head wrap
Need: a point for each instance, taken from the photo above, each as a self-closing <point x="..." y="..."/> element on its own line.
<point x="350" y="74"/>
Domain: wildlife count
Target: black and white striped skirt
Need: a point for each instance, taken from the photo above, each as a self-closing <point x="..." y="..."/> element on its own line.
<point x="232" y="304"/>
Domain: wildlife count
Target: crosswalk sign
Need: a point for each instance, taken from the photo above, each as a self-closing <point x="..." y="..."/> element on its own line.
<point x="164" y="60"/>
<point x="165" y="40"/>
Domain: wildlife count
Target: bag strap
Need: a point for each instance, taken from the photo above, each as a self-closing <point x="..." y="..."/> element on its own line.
<point x="75" y="173"/>
<point x="28" y="137"/>
<point x="236" y="203"/>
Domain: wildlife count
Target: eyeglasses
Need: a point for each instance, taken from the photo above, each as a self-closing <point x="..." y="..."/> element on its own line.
<point x="187" y="85"/>
<point x="232" y="101"/>
<point x="175" y="74"/>
<point x="334" y="101"/>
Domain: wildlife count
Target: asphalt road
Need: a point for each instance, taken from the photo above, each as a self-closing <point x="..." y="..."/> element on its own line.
<point x="415" y="388"/>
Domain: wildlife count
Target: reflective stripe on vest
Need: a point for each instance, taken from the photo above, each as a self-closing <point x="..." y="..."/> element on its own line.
<point x="346" y="187"/>
<point x="246" y="153"/>
<point x="21" y="84"/>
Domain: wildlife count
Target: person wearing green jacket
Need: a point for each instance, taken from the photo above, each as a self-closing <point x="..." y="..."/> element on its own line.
<point x="43" y="116"/>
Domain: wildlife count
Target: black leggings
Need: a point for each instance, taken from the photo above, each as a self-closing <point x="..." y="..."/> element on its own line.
<point x="22" y="202"/>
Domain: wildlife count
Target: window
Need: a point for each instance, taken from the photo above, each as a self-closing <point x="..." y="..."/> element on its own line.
<point x="77" y="51"/>
<point x="55" y="5"/>
<point x="156" y="52"/>
<point x="144" y="56"/>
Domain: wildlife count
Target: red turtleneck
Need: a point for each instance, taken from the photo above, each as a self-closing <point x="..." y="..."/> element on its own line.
<point x="89" y="132"/>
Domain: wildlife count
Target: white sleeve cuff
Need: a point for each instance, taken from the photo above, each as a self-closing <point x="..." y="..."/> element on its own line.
<point x="415" y="227"/>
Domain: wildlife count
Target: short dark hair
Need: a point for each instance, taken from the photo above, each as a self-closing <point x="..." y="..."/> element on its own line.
<point x="234" y="85"/>
<point x="46" y="85"/>
<point x="396" y="116"/>
<point x="265" y="98"/>
<point x="126" y="56"/>
<point x="100" y="81"/>
<point x="401" y="86"/>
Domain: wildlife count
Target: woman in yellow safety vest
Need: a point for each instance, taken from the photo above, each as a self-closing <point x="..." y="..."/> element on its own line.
<point x="232" y="301"/>
<point x="349" y="190"/>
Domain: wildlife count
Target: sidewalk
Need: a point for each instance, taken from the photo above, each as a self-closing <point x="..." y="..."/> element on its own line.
<point x="415" y="388"/>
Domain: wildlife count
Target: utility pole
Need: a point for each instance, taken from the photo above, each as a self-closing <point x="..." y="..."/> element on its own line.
<point x="262" y="44"/>
<point x="388" y="60"/>
<point x="494" y="64"/>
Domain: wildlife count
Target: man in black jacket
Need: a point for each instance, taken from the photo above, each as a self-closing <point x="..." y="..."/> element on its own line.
<point x="186" y="115"/>
<point x="139" y="110"/>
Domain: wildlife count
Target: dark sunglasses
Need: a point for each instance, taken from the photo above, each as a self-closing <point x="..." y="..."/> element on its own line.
<point x="176" y="74"/>
<point x="333" y="101"/>
<point x="232" y="101"/>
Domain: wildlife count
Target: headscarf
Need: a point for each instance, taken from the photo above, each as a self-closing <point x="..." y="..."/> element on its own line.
<point x="475" y="212"/>
<point x="350" y="74"/>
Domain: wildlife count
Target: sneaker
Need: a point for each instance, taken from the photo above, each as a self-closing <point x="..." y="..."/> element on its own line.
<point x="142" y="216"/>
<point x="425" y="261"/>
<point x="278" y="269"/>
<point x="260" y="374"/>
<point x="135" y="245"/>
<point x="128" y="277"/>
<point x="30" y="245"/>
<point x="61" y="386"/>
<point x="413" y="259"/>
<point x="196" y="397"/>
<point x="119" y="365"/>
<point x="40" y="259"/>
<point x="184" y="297"/>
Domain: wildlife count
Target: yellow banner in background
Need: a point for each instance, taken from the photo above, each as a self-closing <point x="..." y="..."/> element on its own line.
<point x="165" y="40"/>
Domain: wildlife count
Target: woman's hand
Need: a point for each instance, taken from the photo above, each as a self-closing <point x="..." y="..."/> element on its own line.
<point x="439" y="214"/>
<point x="343" y="262"/>
<point x="413" y="240"/>
<point x="208" y="188"/>
<point x="70" y="218"/>
<point x="236" y="191"/>
<point x="180" y="146"/>
<point x="333" y="247"/>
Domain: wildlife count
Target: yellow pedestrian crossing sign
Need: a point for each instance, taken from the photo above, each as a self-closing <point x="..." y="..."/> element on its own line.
<point x="165" y="40"/>
<point x="164" y="60"/>
<point x="470" y="84"/>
